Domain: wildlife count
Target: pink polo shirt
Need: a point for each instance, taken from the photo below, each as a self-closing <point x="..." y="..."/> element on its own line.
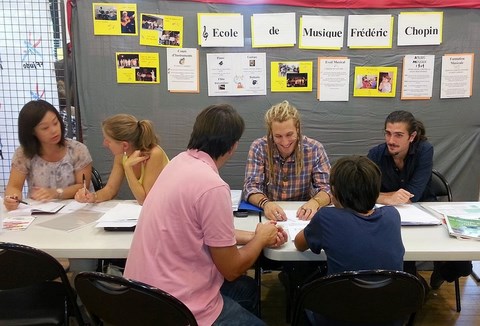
<point x="188" y="210"/>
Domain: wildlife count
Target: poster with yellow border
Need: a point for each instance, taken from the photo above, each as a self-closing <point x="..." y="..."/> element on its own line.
<point x="291" y="76"/>
<point x="137" y="68"/>
<point x="375" y="81"/>
<point x="115" y="19"/>
<point x="160" y="30"/>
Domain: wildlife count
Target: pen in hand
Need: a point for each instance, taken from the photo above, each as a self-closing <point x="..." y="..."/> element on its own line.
<point x="18" y="200"/>
<point x="84" y="185"/>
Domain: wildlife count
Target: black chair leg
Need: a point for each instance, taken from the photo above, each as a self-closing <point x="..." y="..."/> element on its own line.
<point x="411" y="320"/>
<point x="258" y="279"/>
<point x="457" y="294"/>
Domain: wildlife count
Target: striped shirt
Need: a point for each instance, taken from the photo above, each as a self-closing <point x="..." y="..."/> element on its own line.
<point x="286" y="185"/>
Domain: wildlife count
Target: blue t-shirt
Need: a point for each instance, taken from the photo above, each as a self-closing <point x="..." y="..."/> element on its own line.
<point x="416" y="175"/>
<point x="355" y="242"/>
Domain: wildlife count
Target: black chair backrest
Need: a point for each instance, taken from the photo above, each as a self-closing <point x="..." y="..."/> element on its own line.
<point x="119" y="301"/>
<point x="23" y="266"/>
<point x="96" y="180"/>
<point x="24" y="269"/>
<point x="375" y="296"/>
<point x="440" y="186"/>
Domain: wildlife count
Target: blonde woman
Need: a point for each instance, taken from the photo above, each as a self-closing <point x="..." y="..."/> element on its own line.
<point x="284" y="165"/>
<point x="138" y="158"/>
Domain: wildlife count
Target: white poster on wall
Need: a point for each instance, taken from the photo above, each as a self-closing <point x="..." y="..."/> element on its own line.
<point x="370" y="31"/>
<point x="420" y="28"/>
<point x="220" y="30"/>
<point x="321" y="32"/>
<point x="417" y="79"/>
<point x="333" y="79"/>
<point x="235" y="74"/>
<point x="457" y="75"/>
<point x="273" y="30"/>
<point x="183" y="70"/>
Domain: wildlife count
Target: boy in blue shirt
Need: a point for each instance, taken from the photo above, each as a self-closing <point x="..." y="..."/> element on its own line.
<point x="354" y="234"/>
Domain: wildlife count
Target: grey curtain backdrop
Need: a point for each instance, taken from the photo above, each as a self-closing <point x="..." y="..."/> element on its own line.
<point x="453" y="125"/>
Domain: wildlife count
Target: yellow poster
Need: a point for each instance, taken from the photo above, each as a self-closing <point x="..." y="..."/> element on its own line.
<point x="138" y="68"/>
<point x="159" y="30"/>
<point x="291" y="76"/>
<point x="115" y="19"/>
<point x="375" y="81"/>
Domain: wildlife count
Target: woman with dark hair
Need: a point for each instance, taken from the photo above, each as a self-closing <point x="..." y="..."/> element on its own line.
<point x="53" y="166"/>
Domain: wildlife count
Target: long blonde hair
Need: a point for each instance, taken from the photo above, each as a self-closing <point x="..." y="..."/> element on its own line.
<point x="125" y="127"/>
<point x="282" y="112"/>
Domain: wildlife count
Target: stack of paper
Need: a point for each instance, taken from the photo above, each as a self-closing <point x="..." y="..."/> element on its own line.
<point x="463" y="220"/>
<point x="123" y="215"/>
<point x="463" y="227"/>
<point x="236" y="198"/>
<point x="414" y="215"/>
<point x="467" y="210"/>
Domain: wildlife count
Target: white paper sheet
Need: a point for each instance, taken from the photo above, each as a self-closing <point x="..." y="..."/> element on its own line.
<point x="413" y="215"/>
<point x="292" y="225"/>
<point x="236" y="197"/>
<point x="122" y="215"/>
<point x="470" y="211"/>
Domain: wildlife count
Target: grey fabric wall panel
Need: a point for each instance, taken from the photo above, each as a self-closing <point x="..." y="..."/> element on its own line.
<point x="453" y="125"/>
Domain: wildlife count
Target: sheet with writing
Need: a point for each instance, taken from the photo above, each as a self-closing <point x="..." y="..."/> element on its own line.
<point x="122" y="215"/>
<point x="292" y="225"/>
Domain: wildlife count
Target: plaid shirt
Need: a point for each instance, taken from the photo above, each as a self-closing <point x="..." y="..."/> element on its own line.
<point x="286" y="185"/>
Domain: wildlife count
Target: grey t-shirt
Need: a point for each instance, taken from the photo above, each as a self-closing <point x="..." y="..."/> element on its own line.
<point x="60" y="174"/>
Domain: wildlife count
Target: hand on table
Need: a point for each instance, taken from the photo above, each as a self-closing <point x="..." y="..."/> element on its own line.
<point x="282" y="235"/>
<point x="274" y="212"/>
<point x="270" y="234"/>
<point x="401" y="196"/>
<point x="307" y="210"/>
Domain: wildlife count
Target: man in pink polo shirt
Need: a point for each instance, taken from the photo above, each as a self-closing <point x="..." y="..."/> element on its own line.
<point x="185" y="242"/>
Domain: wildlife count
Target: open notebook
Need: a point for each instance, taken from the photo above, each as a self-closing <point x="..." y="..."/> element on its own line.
<point x="36" y="208"/>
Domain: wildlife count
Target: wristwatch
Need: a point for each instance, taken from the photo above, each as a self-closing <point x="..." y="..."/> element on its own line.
<point x="59" y="193"/>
